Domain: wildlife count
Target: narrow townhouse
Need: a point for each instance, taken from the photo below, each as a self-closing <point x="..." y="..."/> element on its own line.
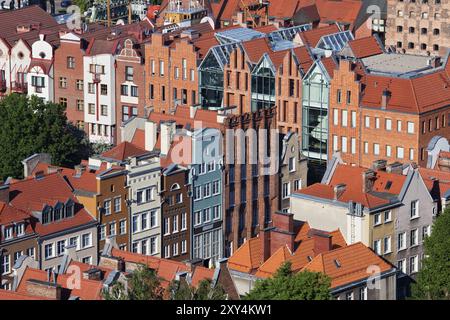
<point x="176" y="211"/>
<point x="17" y="36"/>
<point x="171" y="61"/>
<point x="206" y="180"/>
<point x="144" y="187"/>
<point x="18" y="237"/>
<point x="293" y="169"/>
<point x="102" y="78"/>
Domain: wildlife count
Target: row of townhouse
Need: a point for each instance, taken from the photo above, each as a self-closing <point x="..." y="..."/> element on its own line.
<point x="40" y="218"/>
<point x="337" y="93"/>
<point x="388" y="207"/>
<point x="350" y="266"/>
<point x="114" y="267"/>
<point x="170" y="190"/>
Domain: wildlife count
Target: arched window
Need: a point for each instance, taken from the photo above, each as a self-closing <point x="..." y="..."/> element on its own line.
<point x="174" y="187"/>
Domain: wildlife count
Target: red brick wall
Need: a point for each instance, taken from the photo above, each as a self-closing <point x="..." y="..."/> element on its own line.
<point x="172" y="56"/>
<point x="71" y="93"/>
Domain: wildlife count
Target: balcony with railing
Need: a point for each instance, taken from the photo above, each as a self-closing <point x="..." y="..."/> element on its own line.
<point x="19" y="86"/>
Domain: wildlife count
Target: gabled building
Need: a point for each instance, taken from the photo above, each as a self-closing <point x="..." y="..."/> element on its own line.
<point x="389" y="209"/>
<point x="17" y="37"/>
<point x="387" y="106"/>
<point x="18" y="237"/>
<point x="57" y="216"/>
<point x="294" y="241"/>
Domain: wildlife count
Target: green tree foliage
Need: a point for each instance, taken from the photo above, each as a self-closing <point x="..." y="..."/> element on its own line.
<point x="143" y="284"/>
<point x="287" y="285"/>
<point x="181" y="290"/>
<point x="30" y="125"/>
<point x="433" y="280"/>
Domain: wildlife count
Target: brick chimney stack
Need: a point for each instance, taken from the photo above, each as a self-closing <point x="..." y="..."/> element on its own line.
<point x="322" y="241"/>
<point x="368" y="179"/>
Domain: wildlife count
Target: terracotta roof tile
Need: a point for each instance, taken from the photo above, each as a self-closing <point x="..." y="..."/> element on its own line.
<point x="88" y="289"/>
<point x="124" y="151"/>
<point x="365" y="47"/>
<point x="347" y="264"/>
<point x="166" y="269"/>
<point x="312" y="37"/>
<point x="201" y="273"/>
<point x="247" y="257"/>
<point x="271" y="265"/>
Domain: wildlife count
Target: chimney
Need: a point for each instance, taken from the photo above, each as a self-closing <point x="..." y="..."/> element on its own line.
<point x="379" y="165"/>
<point x="150" y="135"/>
<point x="43" y="289"/>
<point x="30" y="163"/>
<point x="385" y="98"/>
<point x="396" y="168"/>
<point x="240" y="16"/>
<point x="322" y="241"/>
<point x="158" y="37"/>
<point x="167" y="133"/>
<point x="4" y="193"/>
<point x="265" y="243"/>
<point x="368" y="178"/>
<point x="192" y="111"/>
<point x="79" y="169"/>
<point x="339" y="190"/>
<point x="182" y="275"/>
<point x="282" y="232"/>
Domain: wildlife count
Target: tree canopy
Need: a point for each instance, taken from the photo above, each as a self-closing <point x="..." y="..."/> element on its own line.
<point x="433" y="280"/>
<point x="143" y="284"/>
<point x="181" y="290"/>
<point x="287" y="285"/>
<point x="30" y="125"/>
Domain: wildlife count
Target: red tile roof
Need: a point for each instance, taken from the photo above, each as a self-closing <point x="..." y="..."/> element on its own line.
<point x="12" y="295"/>
<point x="256" y="48"/>
<point x="247" y="257"/>
<point x="33" y="194"/>
<point x="9" y="214"/>
<point x="88" y="289"/>
<point x="365" y="47"/>
<point x="417" y="95"/>
<point x="353" y="260"/>
<point x="343" y="11"/>
<point x="351" y="176"/>
<point x="124" y="151"/>
<point x="312" y="37"/>
<point x="271" y="265"/>
<point x="201" y="273"/>
<point x="164" y="268"/>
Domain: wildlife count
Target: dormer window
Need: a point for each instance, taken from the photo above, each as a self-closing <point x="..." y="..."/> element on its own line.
<point x="58" y="214"/>
<point x="8" y="233"/>
<point x="20" y="229"/>
<point x="337" y="263"/>
<point x="70" y="210"/>
<point x="47" y="215"/>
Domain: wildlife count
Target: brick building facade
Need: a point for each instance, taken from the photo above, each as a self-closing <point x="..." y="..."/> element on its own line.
<point x="386" y="117"/>
<point x="418" y="27"/>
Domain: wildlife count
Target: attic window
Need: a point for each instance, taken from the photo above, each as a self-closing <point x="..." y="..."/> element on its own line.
<point x="337" y="263"/>
<point x="42" y="55"/>
<point x="309" y="258"/>
<point x="20" y="55"/>
<point x="388" y="185"/>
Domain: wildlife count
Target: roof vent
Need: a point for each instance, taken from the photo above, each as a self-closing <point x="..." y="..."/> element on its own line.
<point x="337" y="263"/>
